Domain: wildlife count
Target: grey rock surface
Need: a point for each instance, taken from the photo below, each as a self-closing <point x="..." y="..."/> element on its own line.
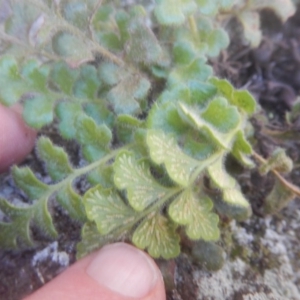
<point x="272" y="275"/>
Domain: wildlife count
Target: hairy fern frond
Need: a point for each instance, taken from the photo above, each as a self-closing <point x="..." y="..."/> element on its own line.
<point x="134" y="89"/>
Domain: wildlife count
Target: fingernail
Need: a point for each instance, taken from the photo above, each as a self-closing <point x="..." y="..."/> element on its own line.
<point x="124" y="269"/>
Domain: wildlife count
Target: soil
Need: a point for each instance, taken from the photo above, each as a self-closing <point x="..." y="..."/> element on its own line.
<point x="262" y="255"/>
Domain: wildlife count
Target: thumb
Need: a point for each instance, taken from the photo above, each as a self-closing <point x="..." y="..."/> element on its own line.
<point x="116" y="272"/>
<point x="16" y="139"/>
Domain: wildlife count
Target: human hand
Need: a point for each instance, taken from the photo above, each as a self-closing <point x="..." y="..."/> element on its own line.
<point x="16" y="139"/>
<point x="116" y="272"/>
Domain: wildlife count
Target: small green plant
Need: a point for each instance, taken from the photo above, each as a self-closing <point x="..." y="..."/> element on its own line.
<point x="134" y="89"/>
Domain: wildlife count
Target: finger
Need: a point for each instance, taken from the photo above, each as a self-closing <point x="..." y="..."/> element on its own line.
<point x="16" y="139"/>
<point x="116" y="272"/>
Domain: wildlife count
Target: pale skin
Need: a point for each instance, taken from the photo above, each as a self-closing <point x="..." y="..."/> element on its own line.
<point x="116" y="272"/>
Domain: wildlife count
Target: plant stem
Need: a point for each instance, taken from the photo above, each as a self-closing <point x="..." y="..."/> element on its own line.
<point x="81" y="171"/>
<point x="193" y="27"/>
<point x="203" y="165"/>
<point x="286" y="183"/>
<point x="159" y="203"/>
<point x="91" y="18"/>
<point x="31" y="50"/>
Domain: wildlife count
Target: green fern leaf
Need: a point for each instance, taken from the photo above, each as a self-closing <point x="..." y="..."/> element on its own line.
<point x="205" y="227"/>
<point x="64" y="77"/>
<point x="240" y="98"/>
<point x="102" y="175"/>
<point x="234" y="197"/>
<point x="110" y="27"/>
<point x="158" y="235"/>
<point x="244" y="100"/>
<point x="226" y="4"/>
<point x="228" y="185"/>
<point x="219" y="176"/>
<point x="184" y="53"/>
<point x="37" y="213"/>
<point x="11" y="85"/>
<point x="38" y="111"/>
<point x="208" y="7"/>
<point x="95" y="139"/>
<point x="196" y="71"/>
<point x="177" y="93"/>
<point x="217" y="40"/>
<point x="107" y="209"/>
<point x="126" y="90"/>
<point x="142" y="46"/>
<point x="165" y="117"/>
<point x="204" y="40"/>
<point x="221" y="134"/>
<point x="76" y="13"/>
<point x="88" y="83"/>
<point x="55" y="158"/>
<point x="36" y="75"/>
<point x="42" y="217"/>
<point x="31" y="81"/>
<point x="18" y="228"/>
<point x="241" y="149"/>
<point x="224" y="87"/>
<point x="127" y="94"/>
<point x="194" y="212"/>
<point x="174" y="12"/>
<point x="110" y="73"/>
<point x="164" y="150"/>
<point x="71" y="202"/>
<point x="67" y="113"/>
<point x="229" y="209"/>
<point x="201" y="149"/>
<point x="134" y="176"/>
<point x="71" y="48"/>
<point x="222" y="116"/>
<point x="100" y="113"/>
<point x="127" y="126"/>
<point x="26" y="180"/>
